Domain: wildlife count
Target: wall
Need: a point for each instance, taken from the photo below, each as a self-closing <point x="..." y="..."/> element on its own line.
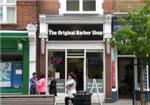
<point x="27" y="12"/>
<point x="49" y="6"/>
<point x="111" y="6"/>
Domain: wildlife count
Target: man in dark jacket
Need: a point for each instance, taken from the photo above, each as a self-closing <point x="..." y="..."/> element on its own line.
<point x="33" y="83"/>
<point x="52" y="85"/>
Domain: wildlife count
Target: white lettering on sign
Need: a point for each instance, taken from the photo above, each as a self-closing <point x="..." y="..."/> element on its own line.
<point x="94" y="32"/>
<point x="83" y="32"/>
<point x="51" y="32"/>
<point x="65" y="33"/>
<point x="75" y="32"/>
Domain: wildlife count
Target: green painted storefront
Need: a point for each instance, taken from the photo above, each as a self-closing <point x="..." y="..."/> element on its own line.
<point x="9" y="45"/>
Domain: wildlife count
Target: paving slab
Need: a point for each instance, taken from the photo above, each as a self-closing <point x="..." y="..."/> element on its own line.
<point x="119" y="102"/>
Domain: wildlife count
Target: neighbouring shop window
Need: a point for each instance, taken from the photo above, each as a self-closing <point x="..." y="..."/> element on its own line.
<point x="8" y="11"/>
<point x="11" y="71"/>
<point x="94" y="60"/>
<point x="56" y="65"/>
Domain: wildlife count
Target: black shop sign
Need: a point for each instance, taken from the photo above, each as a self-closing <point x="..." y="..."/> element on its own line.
<point x="75" y="32"/>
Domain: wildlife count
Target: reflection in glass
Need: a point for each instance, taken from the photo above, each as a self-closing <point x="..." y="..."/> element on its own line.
<point x="56" y="65"/>
<point x="95" y="64"/>
<point x="94" y="61"/>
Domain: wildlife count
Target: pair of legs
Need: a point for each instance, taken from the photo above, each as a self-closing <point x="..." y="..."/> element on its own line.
<point x="67" y="100"/>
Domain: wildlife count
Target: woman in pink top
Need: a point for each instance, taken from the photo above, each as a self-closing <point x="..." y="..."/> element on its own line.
<point x="41" y="85"/>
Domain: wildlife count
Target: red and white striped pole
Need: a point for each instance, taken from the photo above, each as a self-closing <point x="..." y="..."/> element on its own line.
<point x="42" y="46"/>
<point x="108" y="46"/>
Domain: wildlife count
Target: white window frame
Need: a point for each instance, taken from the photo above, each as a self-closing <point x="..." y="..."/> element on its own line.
<point x="63" y="7"/>
<point x="4" y="6"/>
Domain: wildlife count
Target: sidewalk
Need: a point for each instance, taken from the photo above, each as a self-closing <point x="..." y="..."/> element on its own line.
<point x="119" y="102"/>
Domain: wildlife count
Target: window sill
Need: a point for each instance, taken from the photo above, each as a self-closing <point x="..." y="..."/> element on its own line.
<point x="12" y="24"/>
<point x="83" y="12"/>
<point x="73" y="12"/>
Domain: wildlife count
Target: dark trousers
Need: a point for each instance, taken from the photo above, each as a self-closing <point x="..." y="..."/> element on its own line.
<point x="67" y="100"/>
<point x="42" y="92"/>
<point x="33" y="90"/>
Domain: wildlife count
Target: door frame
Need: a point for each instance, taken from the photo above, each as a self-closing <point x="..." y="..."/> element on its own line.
<point x="84" y="66"/>
<point x="134" y="72"/>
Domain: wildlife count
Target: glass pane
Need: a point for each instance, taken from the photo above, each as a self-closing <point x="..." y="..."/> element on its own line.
<point x="5" y="74"/>
<point x="1" y="14"/>
<point x="75" y="52"/>
<point x="89" y="5"/>
<point x="11" y="74"/>
<point x="56" y="66"/>
<point x="94" y="61"/>
<point x="11" y="1"/>
<point x="75" y="65"/>
<point x="72" y="5"/>
<point x="11" y="14"/>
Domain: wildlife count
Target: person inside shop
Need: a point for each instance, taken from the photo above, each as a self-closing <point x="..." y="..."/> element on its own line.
<point x="79" y="81"/>
<point x="71" y="88"/>
<point x="33" y="81"/>
<point x="41" y="85"/>
<point x="52" y="85"/>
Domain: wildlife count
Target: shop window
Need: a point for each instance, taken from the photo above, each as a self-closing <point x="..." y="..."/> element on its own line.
<point x="94" y="60"/>
<point x="11" y="71"/>
<point x="8" y="11"/>
<point x="56" y="66"/>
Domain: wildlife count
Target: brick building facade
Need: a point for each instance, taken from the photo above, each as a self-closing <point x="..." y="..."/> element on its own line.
<point x="46" y="13"/>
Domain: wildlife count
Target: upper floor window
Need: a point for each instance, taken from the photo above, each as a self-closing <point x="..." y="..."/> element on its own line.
<point x="81" y="6"/>
<point x="7" y="11"/>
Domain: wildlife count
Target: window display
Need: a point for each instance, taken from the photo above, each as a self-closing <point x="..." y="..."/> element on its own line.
<point x="5" y="74"/>
<point x="56" y="65"/>
<point x="94" y="61"/>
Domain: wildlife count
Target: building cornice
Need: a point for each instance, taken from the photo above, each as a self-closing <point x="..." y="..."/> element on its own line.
<point x="74" y="19"/>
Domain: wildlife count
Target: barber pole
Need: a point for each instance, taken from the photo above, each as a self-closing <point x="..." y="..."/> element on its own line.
<point x="108" y="46"/>
<point x="42" y="46"/>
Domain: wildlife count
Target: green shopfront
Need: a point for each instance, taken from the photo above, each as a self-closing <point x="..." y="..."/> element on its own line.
<point x="14" y="64"/>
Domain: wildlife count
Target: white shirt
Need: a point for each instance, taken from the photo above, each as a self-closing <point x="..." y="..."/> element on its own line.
<point x="71" y="88"/>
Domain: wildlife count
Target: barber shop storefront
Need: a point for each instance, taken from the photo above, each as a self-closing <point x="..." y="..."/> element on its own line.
<point x="76" y="44"/>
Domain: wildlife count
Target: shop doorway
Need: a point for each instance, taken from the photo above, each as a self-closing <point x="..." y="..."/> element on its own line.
<point x="125" y="77"/>
<point x="75" y="65"/>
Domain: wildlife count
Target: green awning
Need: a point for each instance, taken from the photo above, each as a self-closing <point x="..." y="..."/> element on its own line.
<point x="9" y="40"/>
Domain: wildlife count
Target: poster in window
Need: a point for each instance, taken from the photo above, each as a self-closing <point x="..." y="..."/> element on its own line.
<point x="5" y="74"/>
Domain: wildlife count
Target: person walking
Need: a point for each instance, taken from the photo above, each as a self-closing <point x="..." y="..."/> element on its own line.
<point x="33" y="81"/>
<point x="71" y="88"/>
<point x="52" y="85"/>
<point x="41" y="85"/>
